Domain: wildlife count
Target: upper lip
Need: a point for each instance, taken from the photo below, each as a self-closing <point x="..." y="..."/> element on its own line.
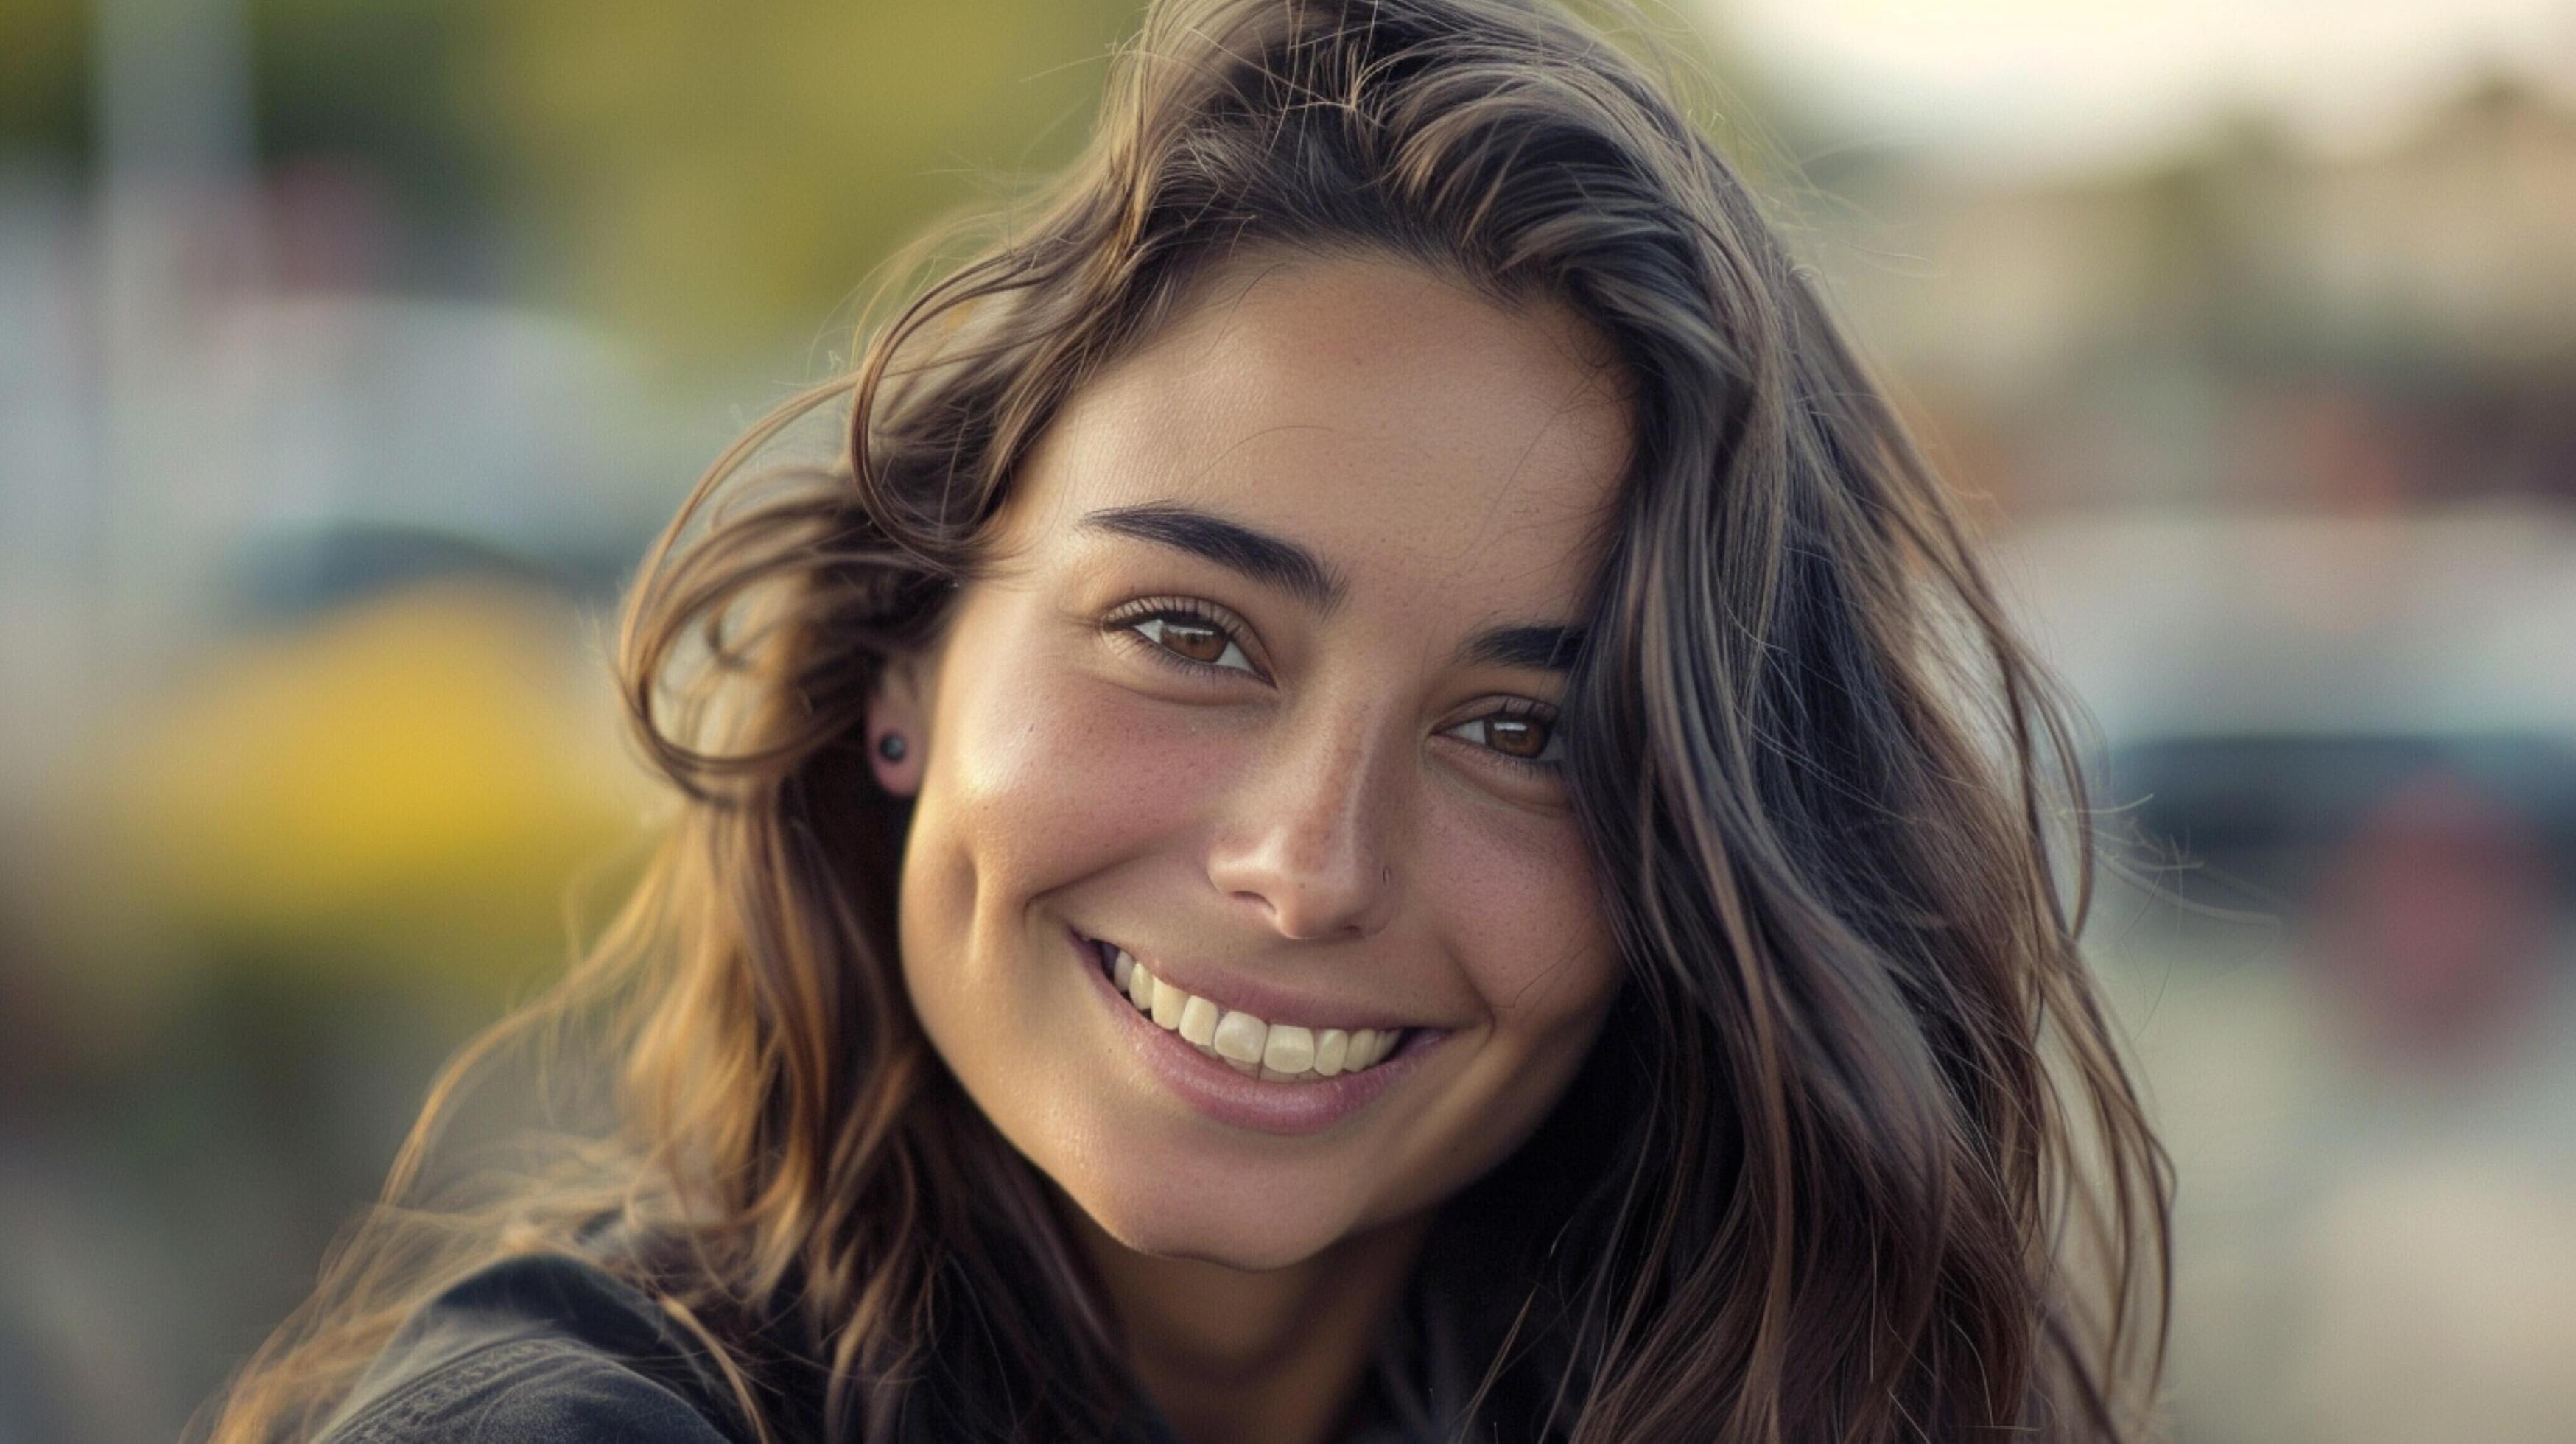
<point x="1268" y="1002"/>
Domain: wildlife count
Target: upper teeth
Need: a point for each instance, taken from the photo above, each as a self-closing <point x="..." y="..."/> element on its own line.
<point x="1275" y="1052"/>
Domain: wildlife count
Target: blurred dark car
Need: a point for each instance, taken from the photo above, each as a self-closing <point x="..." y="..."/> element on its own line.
<point x="2361" y="725"/>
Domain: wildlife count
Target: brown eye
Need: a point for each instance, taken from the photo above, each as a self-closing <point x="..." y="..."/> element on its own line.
<point x="1198" y="643"/>
<point x="1524" y="737"/>
<point x="1521" y="738"/>
<point x="1185" y="637"/>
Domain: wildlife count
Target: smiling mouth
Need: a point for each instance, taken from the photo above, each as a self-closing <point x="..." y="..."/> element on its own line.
<point x="1252" y="1046"/>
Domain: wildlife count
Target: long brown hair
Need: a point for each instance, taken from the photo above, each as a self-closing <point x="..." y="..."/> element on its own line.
<point x="1857" y="1157"/>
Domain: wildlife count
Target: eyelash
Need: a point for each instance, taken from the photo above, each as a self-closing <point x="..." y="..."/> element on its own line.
<point x="1125" y="621"/>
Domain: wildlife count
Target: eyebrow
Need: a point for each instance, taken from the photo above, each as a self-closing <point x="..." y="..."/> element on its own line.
<point x="1283" y="565"/>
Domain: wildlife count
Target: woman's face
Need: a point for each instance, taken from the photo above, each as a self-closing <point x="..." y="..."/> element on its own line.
<point x="1236" y="703"/>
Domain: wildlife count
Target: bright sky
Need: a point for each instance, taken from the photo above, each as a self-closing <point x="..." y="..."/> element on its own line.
<point x="2016" y="85"/>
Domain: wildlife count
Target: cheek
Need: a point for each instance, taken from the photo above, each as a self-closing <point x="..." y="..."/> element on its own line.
<point x="1520" y="899"/>
<point x="1052" y="772"/>
<point x="1523" y="921"/>
<point x="1041" y="775"/>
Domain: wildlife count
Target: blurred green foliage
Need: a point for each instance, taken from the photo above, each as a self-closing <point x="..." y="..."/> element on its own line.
<point x="44" y="67"/>
<point x="710" y="177"/>
<point x="729" y="172"/>
<point x="716" y="180"/>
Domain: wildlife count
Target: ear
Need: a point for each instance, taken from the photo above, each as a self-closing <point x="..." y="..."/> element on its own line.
<point x="897" y="708"/>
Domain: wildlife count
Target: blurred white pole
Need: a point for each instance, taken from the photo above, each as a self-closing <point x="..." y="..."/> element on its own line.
<point x="180" y="243"/>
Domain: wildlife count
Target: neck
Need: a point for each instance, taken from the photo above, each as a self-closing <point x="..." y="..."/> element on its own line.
<point x="1236" y="1357"/>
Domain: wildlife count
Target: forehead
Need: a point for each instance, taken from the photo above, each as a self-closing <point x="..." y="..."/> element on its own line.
<point x="1412" y="432"/>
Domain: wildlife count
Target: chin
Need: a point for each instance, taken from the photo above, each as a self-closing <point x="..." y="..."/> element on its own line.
<point x="1245" y="1221"/>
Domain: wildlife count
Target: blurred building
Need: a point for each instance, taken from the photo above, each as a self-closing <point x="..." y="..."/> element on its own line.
<point x="2248" y="323"/>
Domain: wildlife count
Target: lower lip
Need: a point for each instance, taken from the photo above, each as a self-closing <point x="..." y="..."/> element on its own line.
<point x="1213" y="1087"/>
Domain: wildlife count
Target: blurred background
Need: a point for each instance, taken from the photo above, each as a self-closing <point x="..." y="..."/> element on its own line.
<point x="351" y="354"/>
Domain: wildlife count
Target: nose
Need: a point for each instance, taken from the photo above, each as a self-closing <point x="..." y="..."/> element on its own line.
<point x="1312" y="833"/>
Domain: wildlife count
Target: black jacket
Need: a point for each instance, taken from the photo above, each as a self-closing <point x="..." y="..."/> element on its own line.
<point x="548" y="1348"/>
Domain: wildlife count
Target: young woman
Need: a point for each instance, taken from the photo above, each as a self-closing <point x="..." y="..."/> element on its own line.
<point x="1377" y="799"/>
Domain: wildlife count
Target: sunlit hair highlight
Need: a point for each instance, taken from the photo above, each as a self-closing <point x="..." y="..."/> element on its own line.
<point x="1858" y="1158"/>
